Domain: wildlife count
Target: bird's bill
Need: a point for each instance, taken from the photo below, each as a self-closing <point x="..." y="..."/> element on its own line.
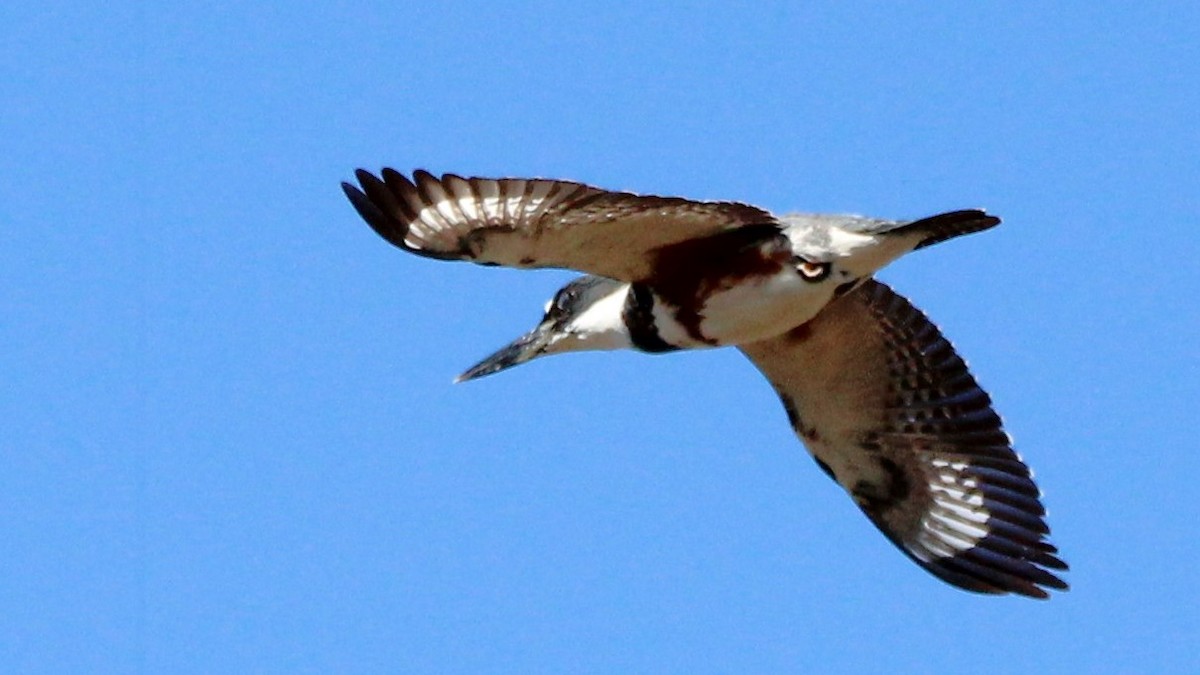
<point x="525" y="348"/>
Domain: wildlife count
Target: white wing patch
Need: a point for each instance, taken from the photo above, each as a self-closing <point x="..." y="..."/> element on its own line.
<point x="957" y="518"/>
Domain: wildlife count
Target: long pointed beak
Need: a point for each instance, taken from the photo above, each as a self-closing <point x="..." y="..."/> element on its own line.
<point x="525" y="348"/>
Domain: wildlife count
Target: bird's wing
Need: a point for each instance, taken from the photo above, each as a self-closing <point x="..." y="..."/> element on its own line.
<point x="891" y="412"/>
<point x="518" y="222"/>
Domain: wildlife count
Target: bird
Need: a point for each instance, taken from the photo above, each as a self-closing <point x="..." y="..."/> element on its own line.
<point x="870" y="386"/>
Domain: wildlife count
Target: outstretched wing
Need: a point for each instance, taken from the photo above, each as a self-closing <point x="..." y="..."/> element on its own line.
<point x="518" y="222"/>
<point x="891" y="412"/>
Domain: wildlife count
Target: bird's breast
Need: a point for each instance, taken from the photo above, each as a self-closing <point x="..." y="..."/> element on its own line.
<point x="758" y="307"/>
<point x="748" y="293"/>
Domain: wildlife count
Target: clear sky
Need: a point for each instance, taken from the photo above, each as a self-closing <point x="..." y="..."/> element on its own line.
<point x="229" y="441"/>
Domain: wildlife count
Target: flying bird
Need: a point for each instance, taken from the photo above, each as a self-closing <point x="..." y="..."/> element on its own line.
<point x="879" y="397"/>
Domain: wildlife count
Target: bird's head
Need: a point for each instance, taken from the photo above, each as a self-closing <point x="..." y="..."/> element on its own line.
<point x="857" y="247"/>
<point x="584" y="315"/>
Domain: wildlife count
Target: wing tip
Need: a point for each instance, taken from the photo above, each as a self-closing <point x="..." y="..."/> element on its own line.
<point x="1001" y="566"/>
<point x="420" y="175"/>
<point x="390" y="204"/>
<point x="369" y="208"/>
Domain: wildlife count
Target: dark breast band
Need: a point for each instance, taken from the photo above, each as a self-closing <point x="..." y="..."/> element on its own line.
<point x="638" y="316"/>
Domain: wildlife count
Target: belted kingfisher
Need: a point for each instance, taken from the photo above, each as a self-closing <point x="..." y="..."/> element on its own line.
<point x="871" y="387"/>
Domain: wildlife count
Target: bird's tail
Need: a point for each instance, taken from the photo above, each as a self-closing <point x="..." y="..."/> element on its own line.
<point x="943" y="226"/>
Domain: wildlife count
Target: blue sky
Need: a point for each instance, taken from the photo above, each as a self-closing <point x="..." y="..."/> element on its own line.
<point x="228" y="436"/>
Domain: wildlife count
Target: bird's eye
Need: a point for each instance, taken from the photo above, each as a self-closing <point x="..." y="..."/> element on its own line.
<point x="558" y="306"/>
<point x="813" y="271"/>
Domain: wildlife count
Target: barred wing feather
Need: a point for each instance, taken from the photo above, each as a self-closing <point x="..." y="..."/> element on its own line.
<point x="890" y="411"/>
<point x="533" y="222"/>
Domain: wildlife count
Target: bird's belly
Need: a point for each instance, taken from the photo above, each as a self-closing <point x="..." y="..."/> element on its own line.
<point x="760" y="308"/>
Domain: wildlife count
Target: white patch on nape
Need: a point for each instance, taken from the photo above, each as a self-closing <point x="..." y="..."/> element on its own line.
<point x="599" y="327"/>
<point x="605" y="313"/>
